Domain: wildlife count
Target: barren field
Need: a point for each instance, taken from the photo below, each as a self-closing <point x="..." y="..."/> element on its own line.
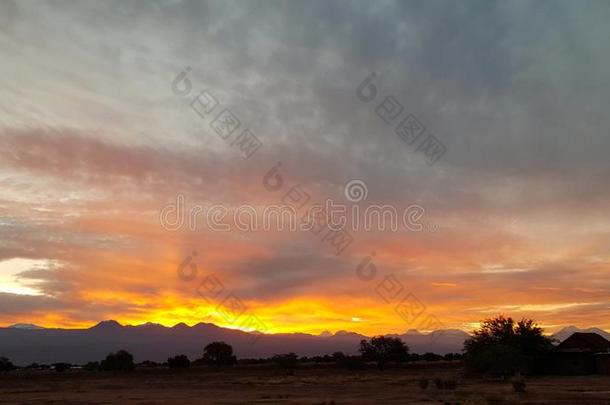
<point x="309" y="385"/>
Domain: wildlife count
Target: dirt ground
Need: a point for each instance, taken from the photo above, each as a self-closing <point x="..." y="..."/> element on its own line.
<point x="309" y="385"/>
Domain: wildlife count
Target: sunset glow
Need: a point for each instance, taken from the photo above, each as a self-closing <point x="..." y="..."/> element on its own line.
<point x="97" y="143"/>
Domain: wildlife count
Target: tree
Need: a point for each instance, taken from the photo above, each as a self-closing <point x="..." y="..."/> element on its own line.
<point x="338" y="357"/>
<point x="382" y="350"/>
<point x="180" y="361"/>
<point x="288" y="362"/>
<point x="6" y="364"/>
<point x="119" y="361"/>
<point x="219" y="354"/>
<point x="429" y="356"/>
<point x="504" y="347"/>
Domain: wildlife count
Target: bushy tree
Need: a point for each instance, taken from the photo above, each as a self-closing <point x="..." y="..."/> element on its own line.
<point x="180" y="361"/>
<point x="6" y="364"/>
<point x="288" y="362"/>
<point x="452" y="356"/>
<point x="428" y="356"/>
<point x="338" y="356"/>
<point x="382" y="349"/>
<point x="219" y="354"/>
<point x="504" y="347"/>
<point x="119" y="361"/>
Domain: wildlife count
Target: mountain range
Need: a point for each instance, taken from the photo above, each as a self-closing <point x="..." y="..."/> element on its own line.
<point x="26" y="343"/>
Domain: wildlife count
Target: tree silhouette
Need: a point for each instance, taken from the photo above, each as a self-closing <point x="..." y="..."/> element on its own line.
<point x="504" y="347"/>
<point x="119" y="361"/>
<point x="382" y="349"/>
<point x="180" y="361"/>
<point x="288" y="362"/>
<point x="5" y="364"/>
<point x="219" y="354"/>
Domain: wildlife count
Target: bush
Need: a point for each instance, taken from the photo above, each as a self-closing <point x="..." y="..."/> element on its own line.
<point x="518" y="384"/>
<point x="119" y="361"/>
<point x="180" y="361"/>
<point x="351" y="362"/>
<point x="288" y="362"/>
<point x="423" y="383"/>
<point x="61" y="367"/>
<point x="338" y="357"/>
<point x="438" y="383"/>
<point x="92" y="366"/>
<point x="6" y="365"/>
<point x="432" y="357"/>
<point x="452" y="356"/>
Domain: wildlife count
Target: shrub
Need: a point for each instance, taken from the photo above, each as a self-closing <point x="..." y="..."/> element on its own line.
<point x="61" y="367"/>
<point x="92" y="366"/>
<point x="438" y="383"/>
<point x="351" y="362"/>
<point x="180" y="361"/>
<point x="6" y="365"/>
<point x="423" y="383"/>
<point x="338" y="357"/>
<point x="288" y="362"/>
<point x="432" y="357"/>
<point x="119" y="361"/>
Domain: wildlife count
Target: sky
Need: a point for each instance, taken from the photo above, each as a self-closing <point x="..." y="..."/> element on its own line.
<point x="100" y="137"/>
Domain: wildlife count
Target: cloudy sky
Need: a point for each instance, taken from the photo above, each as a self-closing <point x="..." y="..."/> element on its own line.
<point x="98" y="135"/>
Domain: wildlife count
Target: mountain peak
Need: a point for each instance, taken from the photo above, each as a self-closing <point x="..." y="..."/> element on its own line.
<point x="566" y="332"/>
<point x="107" y="325"/>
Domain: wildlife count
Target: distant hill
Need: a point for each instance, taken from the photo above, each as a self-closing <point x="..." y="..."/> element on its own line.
<point x="566" y="332"/>
<point x="156" y="342"/>
<point x="25" y="326"/>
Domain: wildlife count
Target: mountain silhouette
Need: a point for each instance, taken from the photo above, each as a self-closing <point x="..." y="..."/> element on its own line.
<point x="566" y="332"/>
<point x="25" y="326"/>
<point x="156" y="342"/>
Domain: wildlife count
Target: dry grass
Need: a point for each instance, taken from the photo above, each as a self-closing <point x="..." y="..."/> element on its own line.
<point x="310" y="385"/>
